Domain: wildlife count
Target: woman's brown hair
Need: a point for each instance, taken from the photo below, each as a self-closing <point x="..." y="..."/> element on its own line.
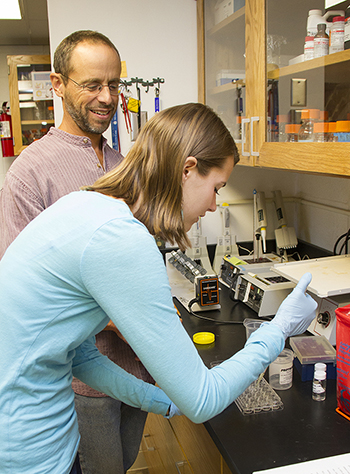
<point x="151" y="173"/>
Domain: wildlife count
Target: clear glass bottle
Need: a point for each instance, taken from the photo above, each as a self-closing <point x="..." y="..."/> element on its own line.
<point x="321" y="41"/>
<point x="292" y="131"/>
<point x="320" y="132"/>
<point x="319" y="385"/>
<point x="308" y="118"/>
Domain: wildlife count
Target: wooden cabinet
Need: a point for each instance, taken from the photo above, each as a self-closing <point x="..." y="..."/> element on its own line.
<point x="178" y="446"/>
<point x="263" y="38"/>
<point x="30" y="98"/>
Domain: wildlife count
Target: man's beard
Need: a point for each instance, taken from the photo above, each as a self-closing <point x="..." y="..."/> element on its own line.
<point x="80" y="117"/>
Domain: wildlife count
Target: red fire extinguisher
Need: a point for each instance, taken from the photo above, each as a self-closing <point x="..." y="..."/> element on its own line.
<point x="6" y="131"/>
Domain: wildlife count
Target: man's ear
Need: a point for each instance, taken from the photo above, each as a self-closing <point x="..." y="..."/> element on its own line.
<point x="57" y="84"/>
<point x="189" y="166"/>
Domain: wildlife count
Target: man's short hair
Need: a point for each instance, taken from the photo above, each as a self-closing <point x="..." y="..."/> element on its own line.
<point x="62" y="58"/>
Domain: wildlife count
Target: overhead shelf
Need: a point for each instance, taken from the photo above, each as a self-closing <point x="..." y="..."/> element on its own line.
<point x="220" y="27"/>
<point x="323" y="62"/>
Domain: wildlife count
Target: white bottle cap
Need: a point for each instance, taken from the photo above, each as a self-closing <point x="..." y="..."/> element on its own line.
<point x="320" y="375"/>
<point x="320" y="366"/>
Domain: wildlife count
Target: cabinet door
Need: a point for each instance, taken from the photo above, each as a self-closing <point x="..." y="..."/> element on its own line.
<point x="200" y="451"/>
<point x="221" y="62"/>
<point x="163" y="453"/>
<point x="278" y="87"/>
<point x="30" y="98"/>
<point x="284" y="91"/>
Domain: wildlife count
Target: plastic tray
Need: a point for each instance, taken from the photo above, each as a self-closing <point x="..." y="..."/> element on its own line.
<point x="330" y="275"/>
<point x="312" y="349"/>
<point x="259" y="397"/>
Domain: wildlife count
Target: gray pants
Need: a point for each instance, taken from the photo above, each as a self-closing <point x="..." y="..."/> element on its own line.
<point x="111" y="434"/>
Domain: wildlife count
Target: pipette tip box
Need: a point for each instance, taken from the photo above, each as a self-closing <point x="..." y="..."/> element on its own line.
<point x="312" y="349"/>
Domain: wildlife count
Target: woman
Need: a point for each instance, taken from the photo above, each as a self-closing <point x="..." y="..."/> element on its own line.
<point x="92" y="257"/>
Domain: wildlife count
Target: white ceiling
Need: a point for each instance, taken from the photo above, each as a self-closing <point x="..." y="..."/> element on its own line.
<point x="33" y="29"/>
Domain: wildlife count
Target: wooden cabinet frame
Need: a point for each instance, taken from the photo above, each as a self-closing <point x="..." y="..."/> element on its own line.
<point x="13" y="62"/>
<point x="331" y="159"/>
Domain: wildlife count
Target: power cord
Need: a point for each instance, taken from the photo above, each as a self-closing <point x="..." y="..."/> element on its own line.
<point x="195" y="300"/>
<point x="346" y="237"/>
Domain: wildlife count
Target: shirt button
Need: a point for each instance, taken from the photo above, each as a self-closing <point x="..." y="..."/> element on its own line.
<point x="98" y="165"/>
<point x="85" y="140"/>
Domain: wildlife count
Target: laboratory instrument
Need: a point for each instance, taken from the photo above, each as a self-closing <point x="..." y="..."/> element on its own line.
<point x="259" y="223"/>
<point x="232" y="266"/>
<point x="330" y="287"/>
<point x="226" y="244"/>
<point x="285" y="236"/>
<point x="191" y="284"/>
<point x="199" y="251"/>
<point x="263" y="292"/>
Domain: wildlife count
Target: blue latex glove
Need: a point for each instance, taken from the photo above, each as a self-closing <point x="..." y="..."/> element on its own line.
<point x="173" y="411"/>
<point x="297" y="311"/>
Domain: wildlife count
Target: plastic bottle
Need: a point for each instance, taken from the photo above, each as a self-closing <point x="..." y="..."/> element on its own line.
<point x="347" y="28"/>
<point x="321" y="41"/>
<point x="308" y="48"/>
<point x="292" y="131"/>
<point x="342" y="130"/>
<point x="320" y="131"/>
<point x="315" y="17"/>
<point x="336" y="39"/>
<point x="319" y="385"/>
<point x="308" y="118"/>
<point x="331" y="132"/>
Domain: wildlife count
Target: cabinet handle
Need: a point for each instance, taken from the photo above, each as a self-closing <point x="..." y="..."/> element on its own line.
<point x="149" y="448"/>
<point x="252" y="152"/>
<point x="244" y="122"/>
<point x="183" y="467"/>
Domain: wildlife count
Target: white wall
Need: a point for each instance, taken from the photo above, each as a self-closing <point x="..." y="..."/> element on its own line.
<point x="317" y="206"/>
<point x="156" y="38"/>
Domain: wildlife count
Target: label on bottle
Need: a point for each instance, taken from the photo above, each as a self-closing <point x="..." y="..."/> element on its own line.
<point x="337" y="40"/>
<point x="286" y="375"/>
<point x="347" y="30"/>
<point x="321" y="47"/>
<point x="317" y="387"/>
<point x="308" y="50"/>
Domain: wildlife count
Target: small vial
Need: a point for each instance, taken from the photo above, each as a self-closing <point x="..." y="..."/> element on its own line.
<point x="319" y="386"/>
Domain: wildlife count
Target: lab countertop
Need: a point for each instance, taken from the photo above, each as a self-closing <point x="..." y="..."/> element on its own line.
<point x="303" y="430"/>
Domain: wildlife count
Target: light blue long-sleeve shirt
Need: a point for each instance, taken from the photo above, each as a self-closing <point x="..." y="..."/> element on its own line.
<point x="81" y="262"/>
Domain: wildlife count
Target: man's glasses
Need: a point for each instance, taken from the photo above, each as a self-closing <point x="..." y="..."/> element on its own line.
<point x="95" y="87"/>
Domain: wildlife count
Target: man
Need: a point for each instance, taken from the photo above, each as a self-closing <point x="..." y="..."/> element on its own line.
<point x="87" y="73"/>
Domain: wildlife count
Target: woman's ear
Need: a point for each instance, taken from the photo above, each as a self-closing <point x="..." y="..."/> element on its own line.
<point x="189" y="166"/>
<point x="57" y="84"/>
